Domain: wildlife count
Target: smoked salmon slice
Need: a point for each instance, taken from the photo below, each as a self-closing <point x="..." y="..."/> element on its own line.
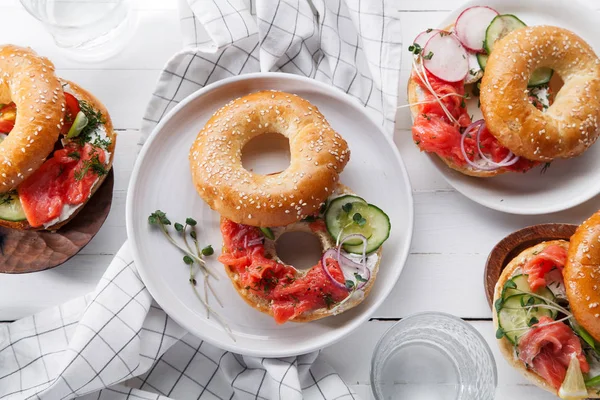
<point x="553" y="256"/>
<point x="547" y="349"/>
<point x="65" y="178"/>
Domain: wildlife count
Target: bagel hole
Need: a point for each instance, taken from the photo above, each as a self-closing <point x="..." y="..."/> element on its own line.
<point x="302" y="250"/>
<point x="266" y="154"/>
<point x="555" y="84"/>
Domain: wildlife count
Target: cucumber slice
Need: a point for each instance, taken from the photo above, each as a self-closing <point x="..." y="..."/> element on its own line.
<point x="268" y="233"/>
<point x="500" y="26"/>
<point x="540" y="76"/>
<point x="380" y="225"/>
<point x="79" y="123"/>
<point x="482" y="60"/>
<point x="523" y="286"/>
<point x="339" y="214"/>
<point x="10" y="207"/>
<point x="513" y="317"/>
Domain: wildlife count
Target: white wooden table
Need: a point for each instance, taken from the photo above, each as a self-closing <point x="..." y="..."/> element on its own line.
<point x="452" y="235"/>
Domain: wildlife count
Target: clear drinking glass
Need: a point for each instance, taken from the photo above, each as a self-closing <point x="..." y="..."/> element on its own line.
<point x="87" y="30"/>
<point x="433" y="356"/>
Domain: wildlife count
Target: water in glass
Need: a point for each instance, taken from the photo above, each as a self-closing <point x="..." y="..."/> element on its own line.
<point x="92" y="29"/>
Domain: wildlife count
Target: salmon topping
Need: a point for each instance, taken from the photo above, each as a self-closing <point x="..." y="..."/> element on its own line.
<point x="289" y="293"/>
<point x="547" y="349"/>
<point x="66" y="178"/>
<point x="435" y="133"/>
<point x="551" y="257"/>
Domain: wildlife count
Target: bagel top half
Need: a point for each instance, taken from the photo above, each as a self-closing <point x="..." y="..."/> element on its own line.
<point x="570" y="125"/>
<point x="28" y="80"/>
<point x="582" y="275"/>
<point x="318" y="156"/>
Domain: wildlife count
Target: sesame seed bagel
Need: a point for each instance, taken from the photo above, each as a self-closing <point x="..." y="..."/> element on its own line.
<point x="318" y="156"/>
<point x="28" y="80"/>
<point x="570" y="125"/>
<point x="582" y="275"/>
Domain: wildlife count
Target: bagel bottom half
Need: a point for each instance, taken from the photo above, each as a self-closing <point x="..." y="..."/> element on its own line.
<point x="264" y="305"/>
<point x="82" y="95"/>
<point x="506" y="347"/>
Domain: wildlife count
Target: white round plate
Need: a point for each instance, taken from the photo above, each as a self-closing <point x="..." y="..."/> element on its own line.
<point x="565" y="183"/>
<point x="161" y="180"/>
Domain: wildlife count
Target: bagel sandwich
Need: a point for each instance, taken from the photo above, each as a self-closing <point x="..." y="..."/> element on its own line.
<point x="58" y="166"/>
<point x="256" y="210"/>
<point x="538" y="89"/>
<point x="547" y="313"/>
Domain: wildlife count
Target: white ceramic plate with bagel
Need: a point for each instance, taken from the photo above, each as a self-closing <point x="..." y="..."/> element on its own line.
<point x="162" y="180"/>
<point x="566" y="182"/>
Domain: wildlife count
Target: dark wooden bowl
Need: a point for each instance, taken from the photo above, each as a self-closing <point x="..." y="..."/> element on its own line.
<point x="31" y="251"/>
<point x="510" y="247"/>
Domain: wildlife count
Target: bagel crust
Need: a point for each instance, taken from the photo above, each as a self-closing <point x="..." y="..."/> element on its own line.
<point x="318" y="156"/>
<point x="582" y="275"/>
<point x="28" y="80"/>
<point x="570" y="125"/>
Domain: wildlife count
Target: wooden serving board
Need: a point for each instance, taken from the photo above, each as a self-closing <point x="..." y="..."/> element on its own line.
<point x="513" y="244"/>
<point x="31" y="251"/>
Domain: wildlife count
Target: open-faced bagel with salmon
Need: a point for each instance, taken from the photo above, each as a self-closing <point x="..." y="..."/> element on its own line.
<point x="538" y="89"/>
<point x="256" y="210"/>
<point x="547" y="313"/>
<point x="56" y="143"/>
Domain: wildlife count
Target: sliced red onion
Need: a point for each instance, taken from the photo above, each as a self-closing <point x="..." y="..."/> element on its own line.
<point x="488" y="165"/>
<point x="331" y="253"/>
<point x="354" y="236"/>
<point x="255" y="242"/>
<point x="348" y="267"/>
<point x="509" y="160"/>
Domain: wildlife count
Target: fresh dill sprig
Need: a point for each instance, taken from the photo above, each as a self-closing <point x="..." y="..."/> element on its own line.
<point x="95" y="119"/>
<point x="94" y="164"/>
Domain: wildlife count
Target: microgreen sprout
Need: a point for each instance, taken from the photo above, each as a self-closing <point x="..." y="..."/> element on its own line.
<point x="192" y="256"/>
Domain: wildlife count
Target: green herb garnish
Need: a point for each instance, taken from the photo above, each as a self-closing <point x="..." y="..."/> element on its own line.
<point x="208" y="251"/>
<point x="429" y="56"/>
<point x="94" y="164"/>
<point x="415" y="48"/>
<point x="95" y="119"/>
<point x="347" y="207"/>
<point x="329" y="301"/>
<point x="191" y="258"/>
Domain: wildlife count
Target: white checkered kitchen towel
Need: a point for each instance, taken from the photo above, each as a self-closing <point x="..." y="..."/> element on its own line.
<point x="116" y="343"/>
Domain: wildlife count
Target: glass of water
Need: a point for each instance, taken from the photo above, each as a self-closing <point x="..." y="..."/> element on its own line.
<point x="87" y="30"/>
<point x="433" y="356"/>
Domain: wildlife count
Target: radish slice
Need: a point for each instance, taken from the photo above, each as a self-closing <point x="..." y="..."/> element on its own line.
<point x="475" y="71"/>
<point x="445" y="57"/>
<point x="471" y="25"/>
<point x="423" y="37"/>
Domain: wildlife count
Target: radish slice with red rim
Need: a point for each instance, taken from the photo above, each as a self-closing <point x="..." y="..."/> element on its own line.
<point x="471" y="25"/>
<point x="445" y="57"/>
<point x="423" y="37"/>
